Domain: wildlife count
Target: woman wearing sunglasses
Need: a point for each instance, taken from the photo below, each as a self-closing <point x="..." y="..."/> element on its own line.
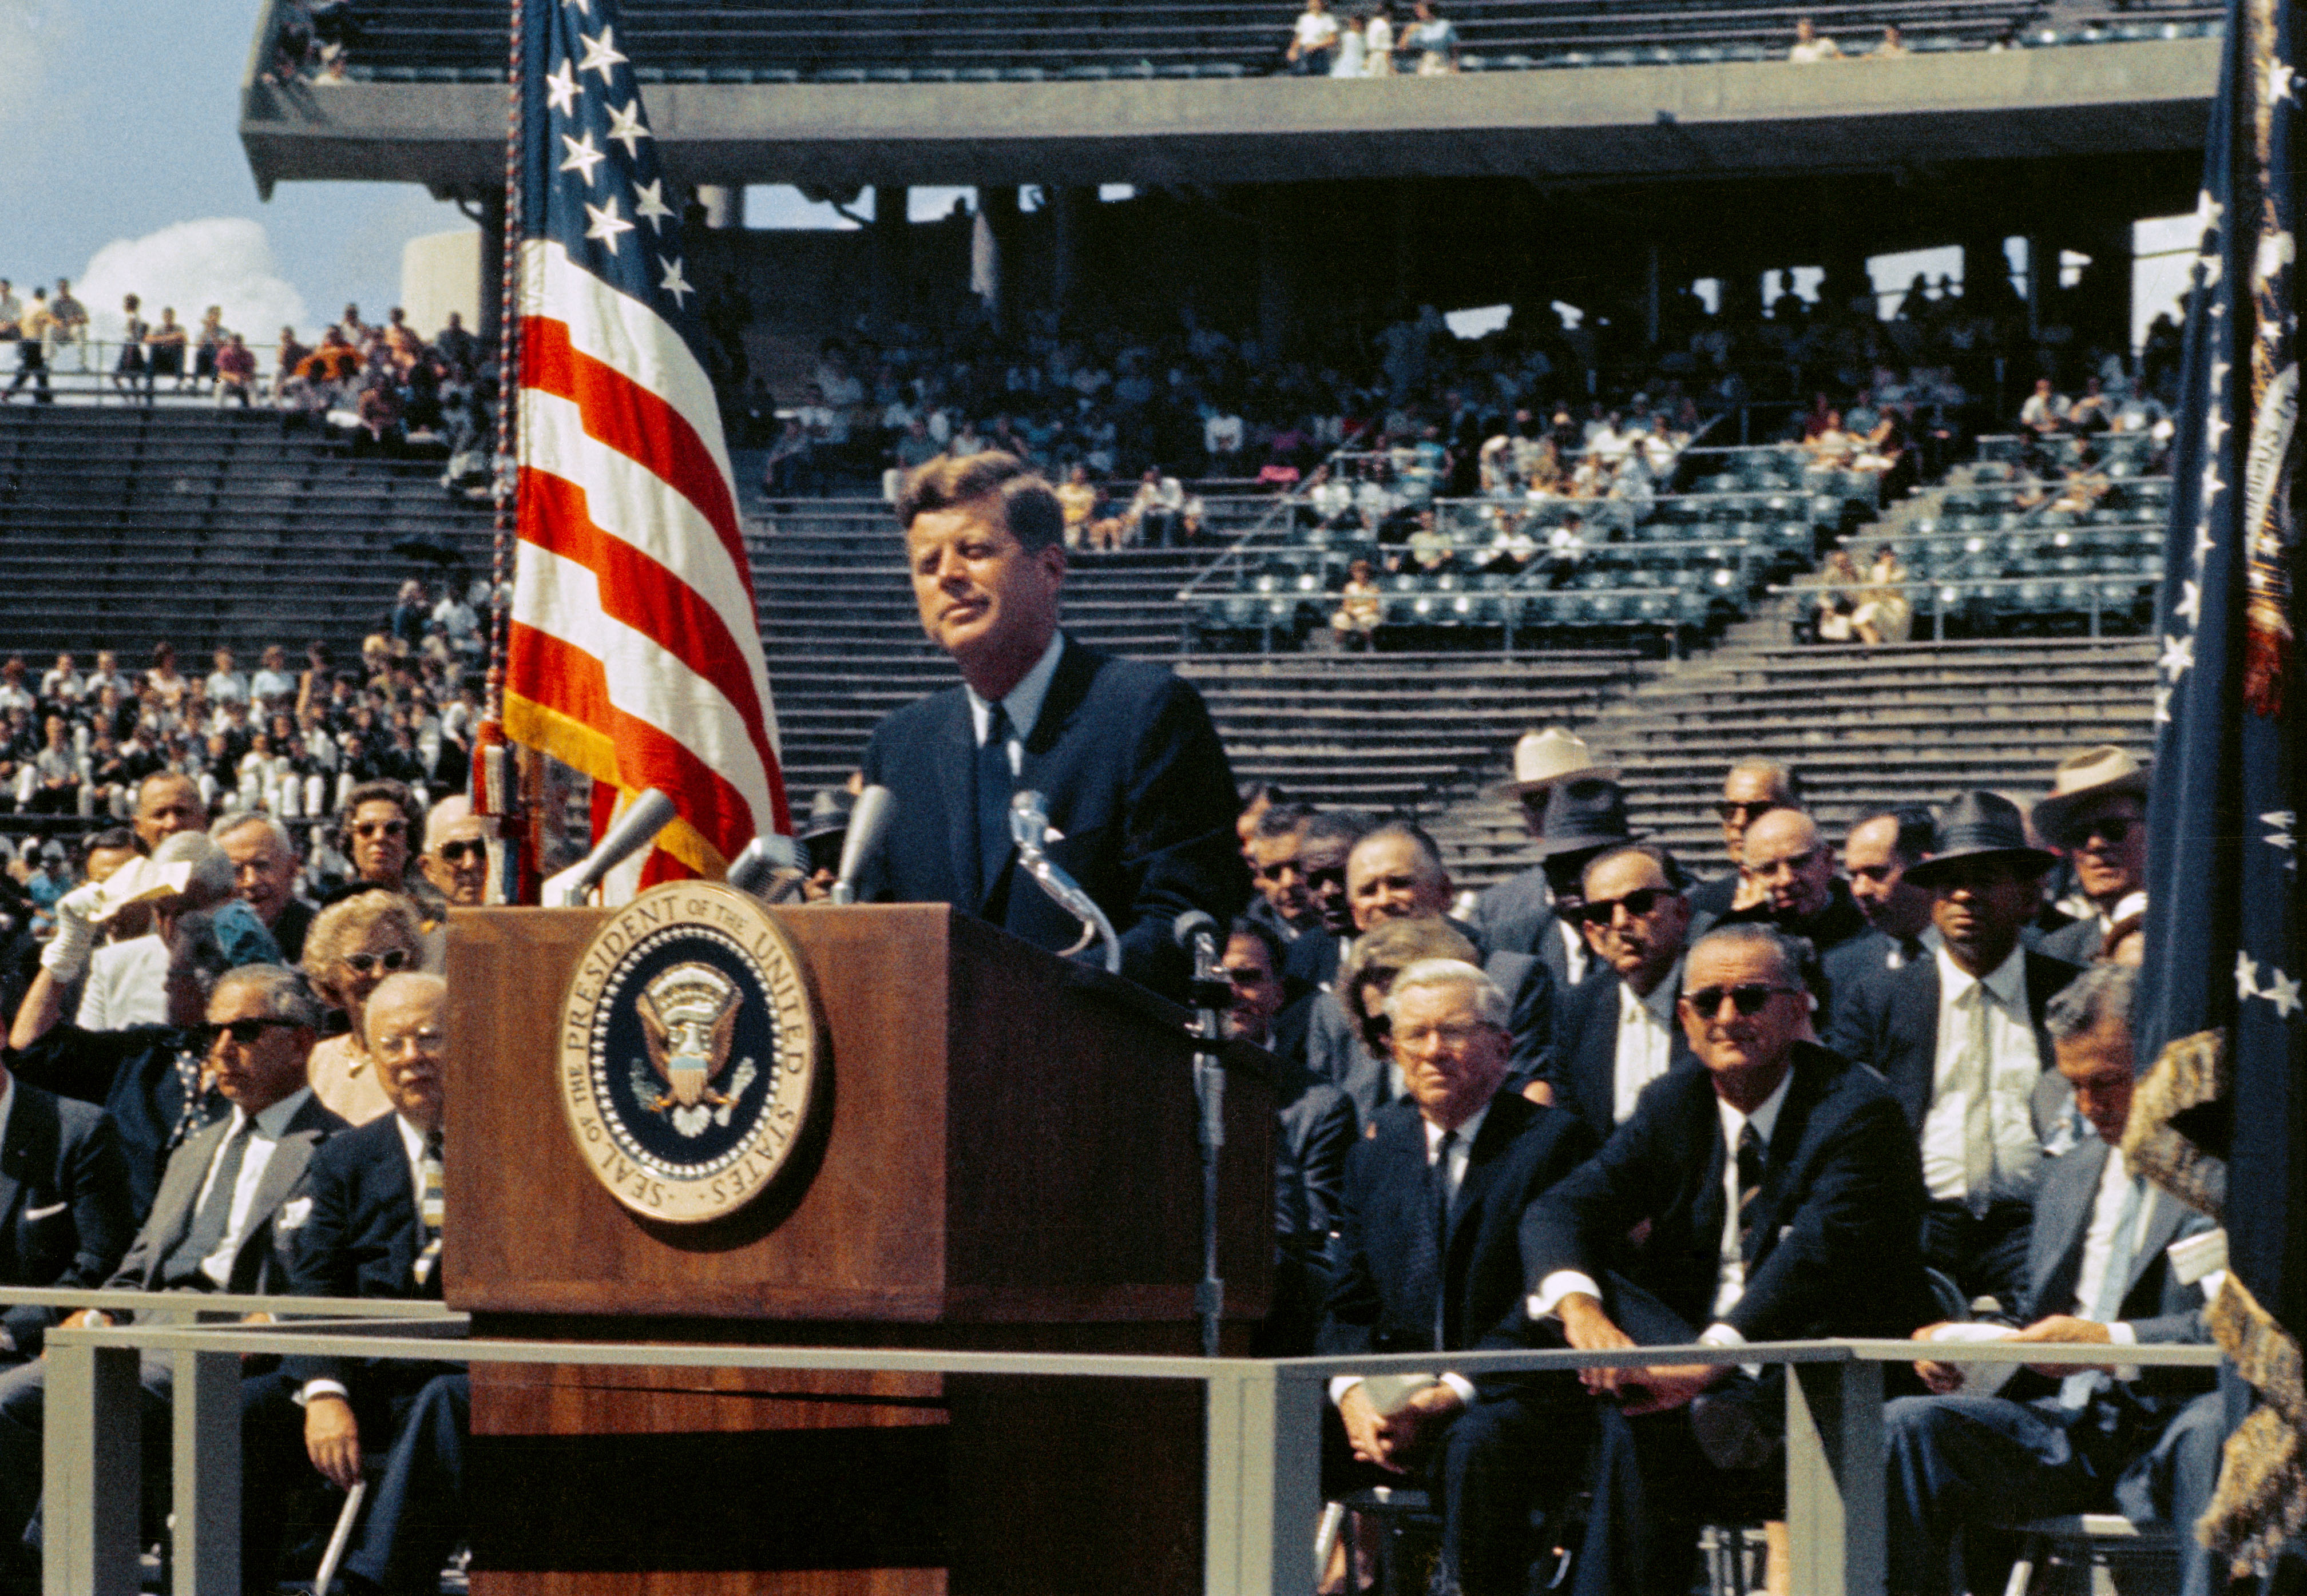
<point x="353" y="945"/>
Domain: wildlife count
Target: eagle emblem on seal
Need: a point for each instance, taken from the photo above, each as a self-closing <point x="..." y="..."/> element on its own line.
<point x="688" y="1014"/>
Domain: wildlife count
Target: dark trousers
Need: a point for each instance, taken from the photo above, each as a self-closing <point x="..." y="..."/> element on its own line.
<point x="1984" y="1255"/>
<point x="32" y="365"/>
<point x="1959" y="1466"/>
<point x="415" y="1515"/>
<point x="1520" y="1446"/>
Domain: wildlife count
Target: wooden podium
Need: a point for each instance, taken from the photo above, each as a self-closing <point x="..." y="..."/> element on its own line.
<point x="1006" y="1158"/>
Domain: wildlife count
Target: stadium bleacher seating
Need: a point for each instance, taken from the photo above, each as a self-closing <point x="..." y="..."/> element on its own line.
<point x="926" y="41"/>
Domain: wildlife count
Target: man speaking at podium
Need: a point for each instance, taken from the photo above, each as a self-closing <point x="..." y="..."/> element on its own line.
<point x="1140" y="795"/>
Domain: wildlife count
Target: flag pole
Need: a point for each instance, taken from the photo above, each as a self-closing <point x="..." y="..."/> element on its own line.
<point x="495" y="787"/>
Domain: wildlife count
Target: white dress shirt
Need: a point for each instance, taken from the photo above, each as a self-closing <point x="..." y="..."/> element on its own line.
<point x="272" y="1124"/>
<point x="1453" y="1176"/>
<point x="1576" y="957"/>
<point x="1022" y="703"/>
<point x="1645" y="1040"/>
<point x="1731" y="1275"/>
<point x="2011" y="1070"/>
<point x="2098" y="1247"/>
<point x="127" y="985"/>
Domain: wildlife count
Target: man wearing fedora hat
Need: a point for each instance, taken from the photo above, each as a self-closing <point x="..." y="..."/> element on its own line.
<point x="1520" y="912"/>
<point x="1961" y="1039"/>
<point x="2096" y="812"/>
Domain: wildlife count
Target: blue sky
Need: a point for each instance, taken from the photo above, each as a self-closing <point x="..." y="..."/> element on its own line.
<point x="118" y="118"/>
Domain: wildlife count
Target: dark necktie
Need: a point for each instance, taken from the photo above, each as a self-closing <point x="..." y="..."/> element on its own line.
<point x="997" y="784"/>
<point x="1910" y="948"/>
<point x="212" y="1220"/>
<point x="429" y="1207"/>
<point x="1750" y="1187"/>
<point x="1422" y="1278"/>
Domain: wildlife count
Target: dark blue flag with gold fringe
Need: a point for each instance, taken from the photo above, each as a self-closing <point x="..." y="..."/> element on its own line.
<point x="2222" y="1118"/>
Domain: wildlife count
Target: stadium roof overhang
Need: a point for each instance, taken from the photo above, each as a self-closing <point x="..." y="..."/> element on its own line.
<point x="1593" y="124"/>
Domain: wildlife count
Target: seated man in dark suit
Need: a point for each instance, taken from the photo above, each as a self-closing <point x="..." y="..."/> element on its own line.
<point x="1427" y="1261"/>
<point x="1876" y="856"/>
<point x="372" y="1229"/>
<point x="1777" y="1197"/>
<point x="1789" y="863"/>
<point x="1350" y="1047"/>
<point x="1317" y="1127"/>
<point x="1751" y="788"/>
<point x="1616" y="1031"/>
<point x="1312" y="960"/>
<point x="1395" y="872"/>
<point x="1586" y="818"/>
<point x="66" y="1214"/>
<point x="2059" y="1440"/>
<point x="1281" y="903"/>
<point x="1139" y="796"/>
<point x="1960" y="1037"/>
<point x="215" y="1224"/>
<point x="1518" y="912"/>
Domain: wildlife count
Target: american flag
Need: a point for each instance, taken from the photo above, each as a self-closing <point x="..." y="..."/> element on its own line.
<point x="633" y="651"/>
<point x="2223" y="926"/>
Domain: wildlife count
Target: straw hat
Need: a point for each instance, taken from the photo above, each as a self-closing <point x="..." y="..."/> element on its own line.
<point x="1542" y="759"/>
<point x="2105" y="771"/>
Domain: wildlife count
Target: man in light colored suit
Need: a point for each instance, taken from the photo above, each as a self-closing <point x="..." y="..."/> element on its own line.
<point x="215" y="1224"/>
<point x="2059" y="1439"/>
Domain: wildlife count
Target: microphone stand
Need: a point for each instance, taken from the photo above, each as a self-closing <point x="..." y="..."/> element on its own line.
<point x="1211" y="993"/>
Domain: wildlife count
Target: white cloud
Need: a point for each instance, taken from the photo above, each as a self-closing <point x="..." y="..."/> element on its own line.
<point x="220" y="259"/>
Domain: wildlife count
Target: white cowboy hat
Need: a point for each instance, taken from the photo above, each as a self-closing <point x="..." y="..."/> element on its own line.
<point x="1542" y="759"/>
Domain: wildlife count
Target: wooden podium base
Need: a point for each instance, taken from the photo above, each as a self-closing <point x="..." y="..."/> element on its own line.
<point x="693" y="1482"/>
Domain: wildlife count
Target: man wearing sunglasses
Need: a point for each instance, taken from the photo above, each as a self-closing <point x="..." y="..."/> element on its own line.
<point x="1752" y="788"/>
<point x="1788" y="861"/>
<point x="379" y="1194"/>
<point x="1616" y="1031"/>
<point x="224" y="1216"/>
<point x="1778" y="1193"/>
<point x="1961" y="1038"/>
<point x="456" y="859"/>
<point x="2097" y="811"/>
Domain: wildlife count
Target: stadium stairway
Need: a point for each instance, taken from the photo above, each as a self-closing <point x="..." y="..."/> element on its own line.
<point x="120" y="527"/>
<point x="1389" y="730"/>
<point x="1910" y="723"/>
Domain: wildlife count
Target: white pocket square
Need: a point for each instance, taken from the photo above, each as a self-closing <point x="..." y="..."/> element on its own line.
<point x="50" y="1212"/>
<point x="293" y="1215"/>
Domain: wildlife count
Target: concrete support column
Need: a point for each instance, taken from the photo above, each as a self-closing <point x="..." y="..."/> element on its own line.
<point x="1069" y="217"/>
<point x="1277" y="298"/>
<point x="490" y="300"/>
<point x="885" y="264"/>
<point x="2098" y="307"/>
<point x="1652" y="319"/>
<point x="998" y="205"/>
<point x="720" y="203"/>
<point x="2042" y="278"/>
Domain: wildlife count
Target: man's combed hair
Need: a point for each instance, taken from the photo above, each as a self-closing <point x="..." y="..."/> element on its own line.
<point x="1678" y="879"/>
<point x="1281" y="819"/>
<point x="1797" y="956"/>
<point x="1029" y="505"/>
<point x="285" y="993"/>
<point x="1786" y="781"/>
<point x="2101" y="993"/>
<point x="1490" y="1005"/>
<point x="1918" y="832"/>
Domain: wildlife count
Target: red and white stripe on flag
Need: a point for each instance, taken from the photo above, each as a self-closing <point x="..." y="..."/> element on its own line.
<point x="634" y="652"/>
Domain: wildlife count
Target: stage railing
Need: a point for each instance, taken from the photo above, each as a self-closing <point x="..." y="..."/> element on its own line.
<point x="1262" y="1491"/>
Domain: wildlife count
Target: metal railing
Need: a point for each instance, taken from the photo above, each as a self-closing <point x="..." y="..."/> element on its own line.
<point x="1261" y="1463"/>
<point x="1954" y="593"/>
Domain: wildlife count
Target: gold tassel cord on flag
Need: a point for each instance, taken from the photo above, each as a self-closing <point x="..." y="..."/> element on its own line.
<point x="2261" y="1499"/>
<point x="2267" y="523"/>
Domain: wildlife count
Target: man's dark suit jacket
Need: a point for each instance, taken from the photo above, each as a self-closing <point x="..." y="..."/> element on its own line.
<point x="132" y="1075"/>
<point x="1518" y="914"/>
<point x="1521" y="1150"/>
<point x="64" y="1213"/>
<point x="2078" y="944"/>
<point x="1891" y="1023"/>
<point x="360" y="1238"/>
<point x="1584" y="1069"/>
<point x="1140" y="795"/>
<point x="261" y="1265"/>
<point x="1835" y="1247"/>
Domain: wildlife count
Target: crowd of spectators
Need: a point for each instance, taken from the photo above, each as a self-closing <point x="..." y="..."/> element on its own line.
<point x="286" y="740"/>
<point x="1684" y="1032"/>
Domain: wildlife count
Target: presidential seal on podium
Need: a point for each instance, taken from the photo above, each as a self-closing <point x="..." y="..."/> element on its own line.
<point x="690" y="1053"/>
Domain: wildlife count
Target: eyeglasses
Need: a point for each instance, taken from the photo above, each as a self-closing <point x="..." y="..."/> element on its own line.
<point x="1793" y="863"/>
<point x="1745" y="812"/>
<point x="381" y="829"/>
<point x="1244" y="975"/>
<point x="392" y="958"/>
<point x="1748" y="999"/>
<point x="425" y="1039"/>
<point x="2114" y="830"/>
<point x="1601" y="911"/>
<point x="457" y="853"/>
<point x="243" y="1030"/>
<point x="1449" y="1036"/>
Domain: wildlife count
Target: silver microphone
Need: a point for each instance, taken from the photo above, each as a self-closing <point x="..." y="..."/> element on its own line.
<point x="632" y="831"/>
<point x="869" y="823"/>
<point x="1029" y="825"/>
<point x="763" y="857"/>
